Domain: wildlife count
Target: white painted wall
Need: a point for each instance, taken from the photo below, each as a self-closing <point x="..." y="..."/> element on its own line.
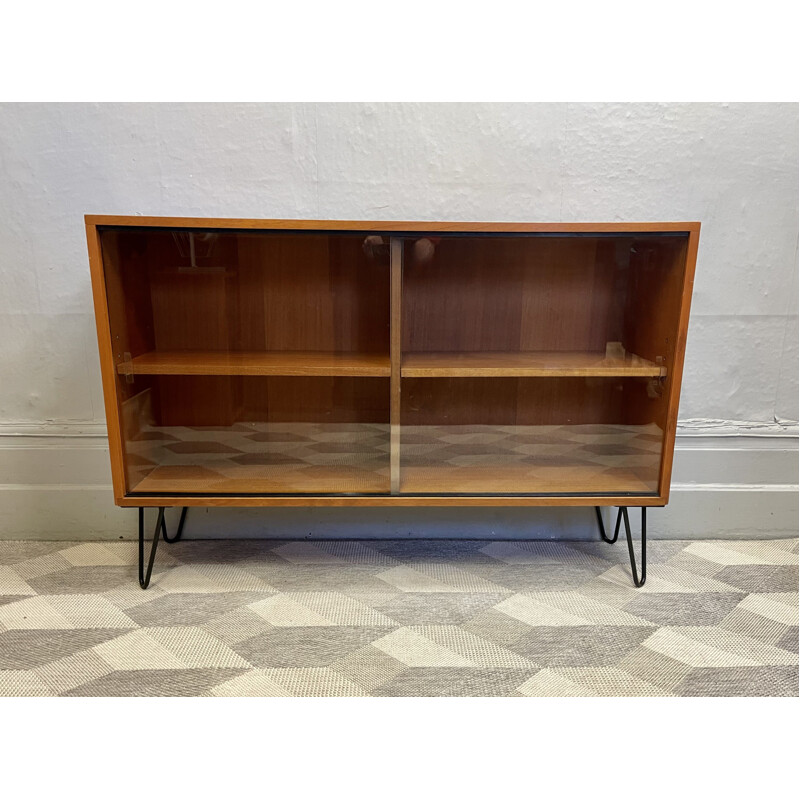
<point x="734" y="167"/>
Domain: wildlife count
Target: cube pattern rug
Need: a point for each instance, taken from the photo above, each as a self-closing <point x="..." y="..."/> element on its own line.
<point x="399" y="618"/>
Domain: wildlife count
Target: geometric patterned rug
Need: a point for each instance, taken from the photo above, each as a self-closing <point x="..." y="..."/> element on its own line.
<point x="399" y="618"/>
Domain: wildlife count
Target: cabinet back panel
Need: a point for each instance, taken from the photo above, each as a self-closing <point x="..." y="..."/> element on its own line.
<point x="511" y="401"/>
<point x="253" y="291"/>
<point x="323" y="293"/>
<point x="226" y="400"/>
<point x="546" y="293"/>
<point x="511" y="294"/>
<point x="329" y="399"/>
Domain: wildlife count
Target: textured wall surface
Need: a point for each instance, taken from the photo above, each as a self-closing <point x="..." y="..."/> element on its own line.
<point x="731" y="166"/>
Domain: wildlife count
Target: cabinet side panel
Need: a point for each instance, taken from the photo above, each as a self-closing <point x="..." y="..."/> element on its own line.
<point x="653" y="313"/>
<point x="674" y="386"/>
<point x="127" y="280"/>
<point x="107" y="368"/>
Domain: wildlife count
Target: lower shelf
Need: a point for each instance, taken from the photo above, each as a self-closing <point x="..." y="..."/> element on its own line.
<point x="350" y="458"/>
<point x="545" y="459"/>
<point x="280" y="458"/>
<point x="263" y="480"/>
<point x="519" y="479"/>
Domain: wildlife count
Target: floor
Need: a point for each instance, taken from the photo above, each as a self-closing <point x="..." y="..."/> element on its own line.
<point x="399" y="618"/>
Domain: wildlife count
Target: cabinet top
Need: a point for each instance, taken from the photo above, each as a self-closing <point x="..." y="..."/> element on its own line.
<point x="94" y="220"/>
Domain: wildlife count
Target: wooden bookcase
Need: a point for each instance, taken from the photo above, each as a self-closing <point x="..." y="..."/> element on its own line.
<point x="287" y="362"/>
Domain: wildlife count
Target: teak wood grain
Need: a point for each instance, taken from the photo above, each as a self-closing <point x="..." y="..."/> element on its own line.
<point x="394" y="226"/>
<point x="387" y="500"/>
<point x="333" y="480"/>
<point x="526" y="365"/>
<point x="287" y="362"/>
<point x="512" y="478"/>
<point x="107" y="360"/>
<point x="299" y="320"/>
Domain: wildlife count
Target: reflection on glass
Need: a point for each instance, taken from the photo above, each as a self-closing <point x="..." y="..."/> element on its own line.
<point x="269" y="441"/>
<point x="523" y="436"/>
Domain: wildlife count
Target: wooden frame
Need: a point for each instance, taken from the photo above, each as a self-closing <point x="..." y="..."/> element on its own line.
<point x="419" y="365"/>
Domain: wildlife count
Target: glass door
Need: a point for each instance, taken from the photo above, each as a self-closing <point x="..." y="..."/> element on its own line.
<point x="250" y="362"/>
<point x="537" y="364"/>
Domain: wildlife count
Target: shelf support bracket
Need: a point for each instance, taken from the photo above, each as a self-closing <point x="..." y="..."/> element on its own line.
<point x="159" y="531"/>
<point x="622" y="516"/>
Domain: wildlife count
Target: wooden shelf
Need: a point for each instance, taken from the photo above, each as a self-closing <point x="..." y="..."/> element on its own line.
<point x="517" y="479"/>
<point x="522" y="459"/>
<point x="288" y="362"/>
<point x="264" y="480"/>
<point x="527" y="365"/>
<point x="281" y="458"/>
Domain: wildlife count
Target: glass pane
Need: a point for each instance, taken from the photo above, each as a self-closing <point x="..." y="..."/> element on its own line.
<point x="254" y="435"/>
<point x="250" y="362"/>
<point x="537" y="364"/>
<point x="528" y="435"/>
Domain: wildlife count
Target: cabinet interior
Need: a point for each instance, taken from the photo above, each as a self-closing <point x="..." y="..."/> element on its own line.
<point x="264" y="362"/>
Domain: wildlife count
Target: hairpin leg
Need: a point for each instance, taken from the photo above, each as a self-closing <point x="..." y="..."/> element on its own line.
<point x="603" y="527"/>
<point x="180" y="528"/>
<point x="159" y="531"/>
<point x="144" y="580"/>
<point x="622" y="516"/>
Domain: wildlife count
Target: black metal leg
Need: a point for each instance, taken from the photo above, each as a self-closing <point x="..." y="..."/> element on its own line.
<point x="637" y="582"/>
<point x="180" y="528"/>
<point x="144" y="580"/>
<point x="622" y="516"/>
<point x="603" y="527"/>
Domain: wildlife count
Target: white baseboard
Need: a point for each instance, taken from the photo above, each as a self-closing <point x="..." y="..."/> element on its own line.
<point x="56" y="487"/>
